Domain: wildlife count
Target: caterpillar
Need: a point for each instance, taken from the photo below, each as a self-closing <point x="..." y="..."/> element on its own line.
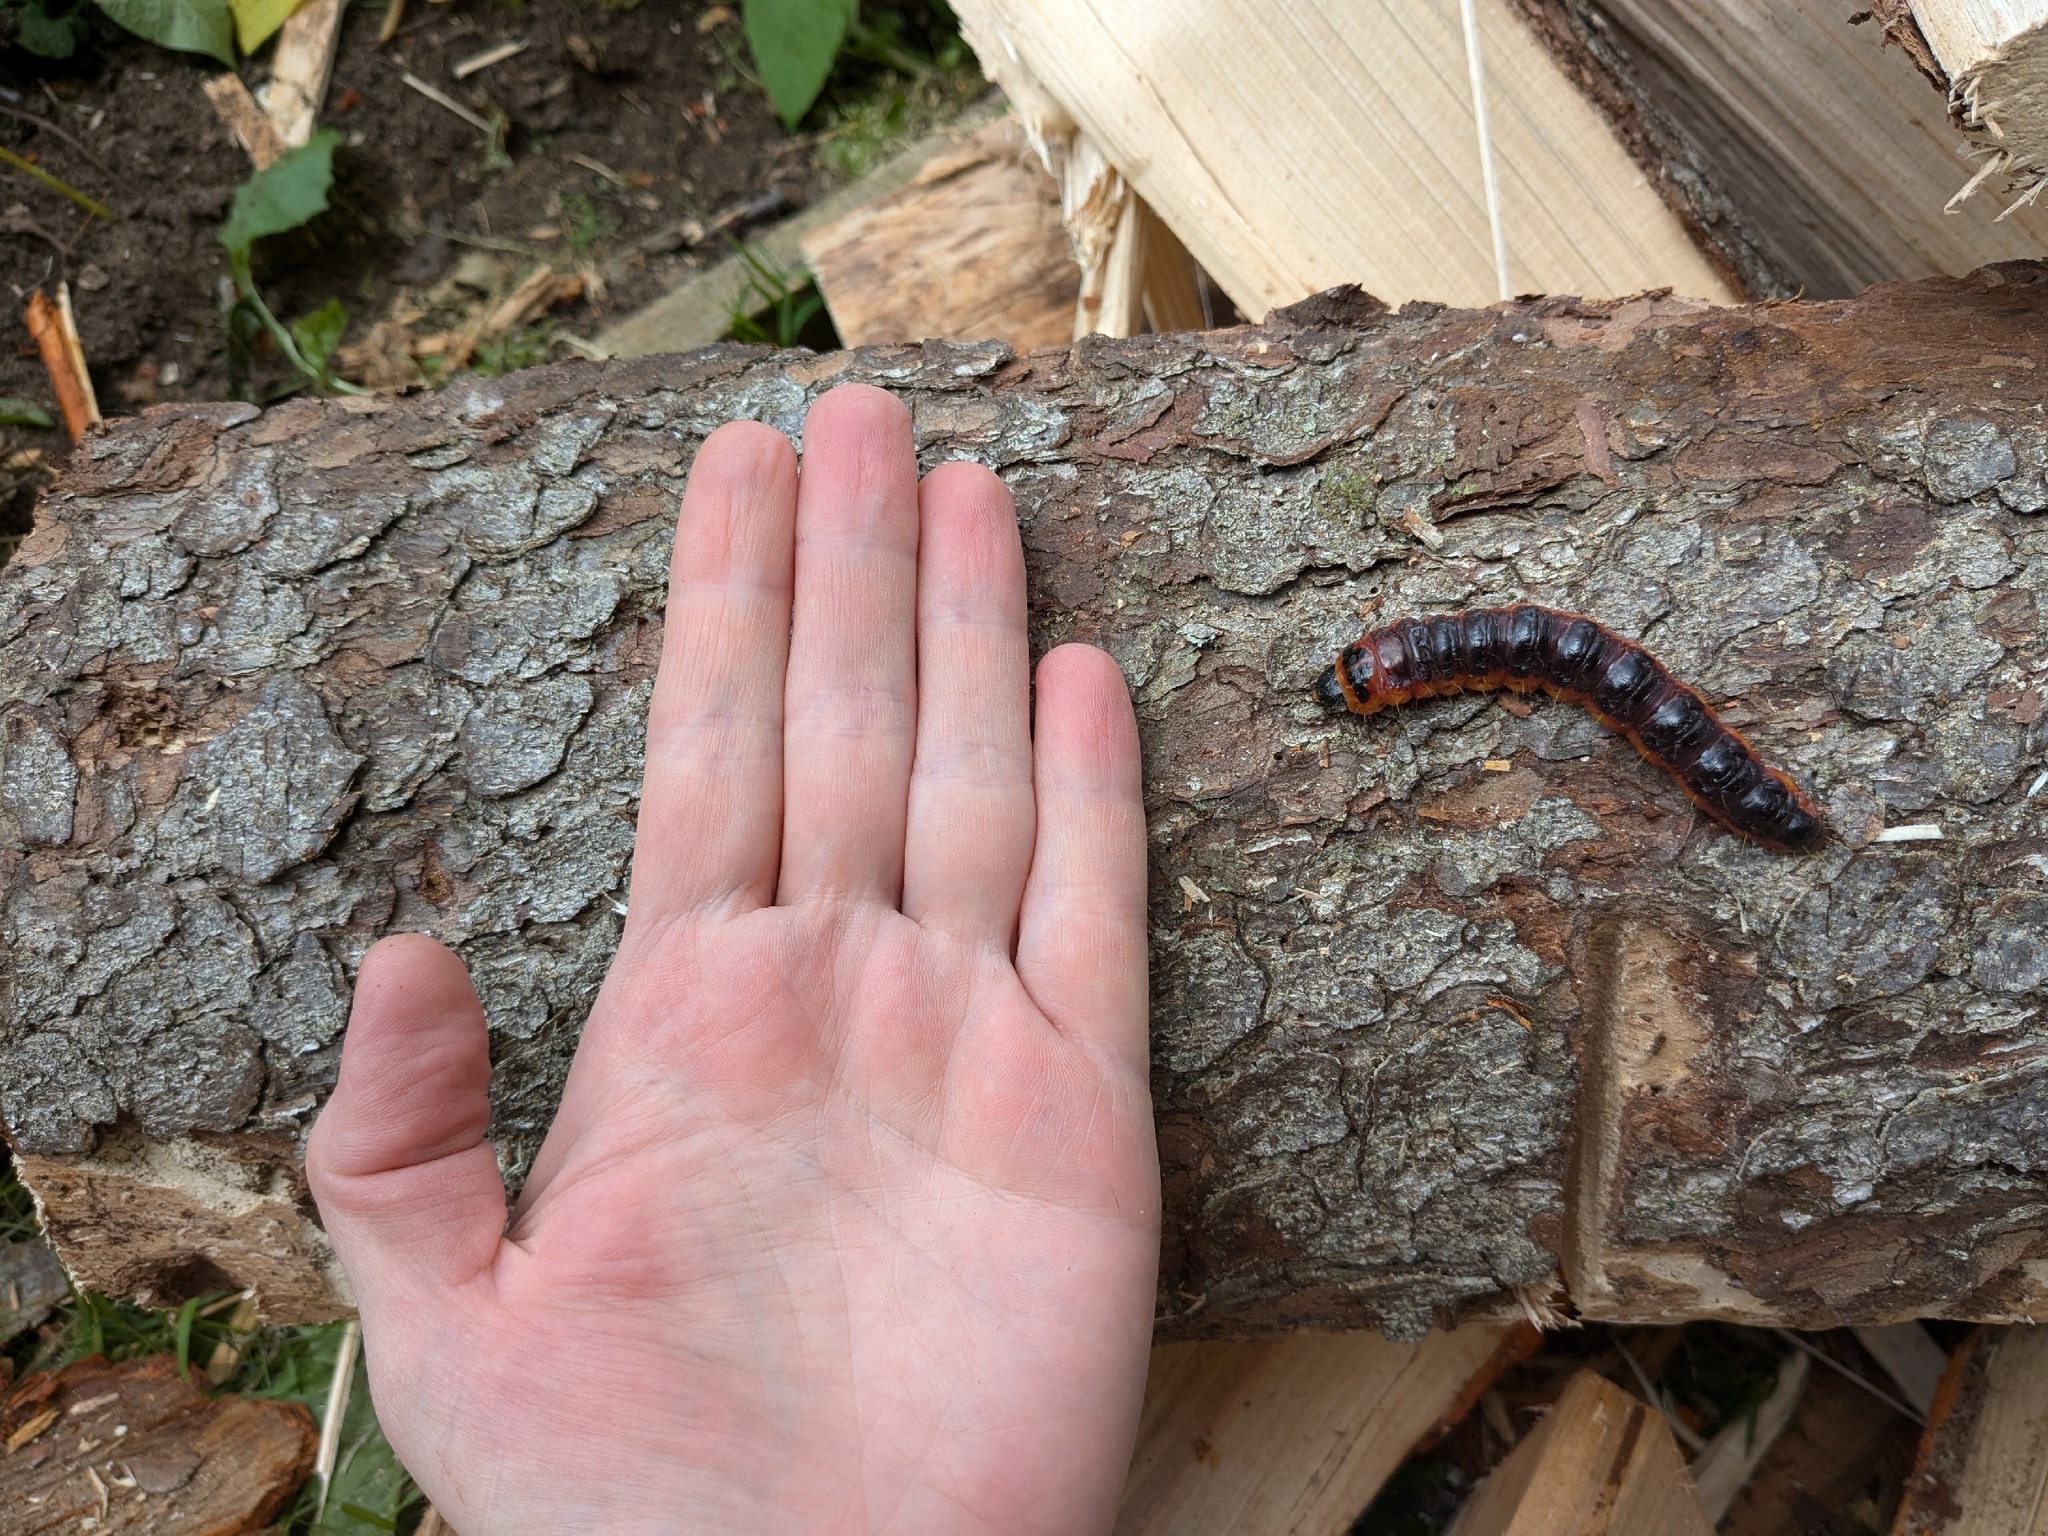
<point x="1623" y="686"/>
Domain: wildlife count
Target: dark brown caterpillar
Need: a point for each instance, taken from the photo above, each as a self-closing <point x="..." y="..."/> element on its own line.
<point x="1623" y="686"/>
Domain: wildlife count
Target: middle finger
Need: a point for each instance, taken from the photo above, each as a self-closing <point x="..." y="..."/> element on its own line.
<point x="850" y="705"/>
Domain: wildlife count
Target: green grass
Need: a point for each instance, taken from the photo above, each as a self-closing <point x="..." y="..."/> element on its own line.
<point x="522" y="348"/>
<point x="584" y="223"/>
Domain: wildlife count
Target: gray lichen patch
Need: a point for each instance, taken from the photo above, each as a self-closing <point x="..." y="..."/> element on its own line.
<point x="269" y="792"/>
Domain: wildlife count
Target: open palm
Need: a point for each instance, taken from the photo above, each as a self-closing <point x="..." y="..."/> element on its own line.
<point x="848" y="1221"/>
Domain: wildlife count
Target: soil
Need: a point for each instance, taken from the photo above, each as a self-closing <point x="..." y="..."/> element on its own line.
<point x="622" y="122"/>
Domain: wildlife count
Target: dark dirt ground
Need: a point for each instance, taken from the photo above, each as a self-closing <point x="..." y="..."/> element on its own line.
<point x="424" y="218"/>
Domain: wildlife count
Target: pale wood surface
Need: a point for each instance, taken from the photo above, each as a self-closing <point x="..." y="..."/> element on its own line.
<point x="1996" y="55"/>
<point x="973" y="248"/>
<point x="1911" y="1358"/>
<point x="1292" y="1436"/>
<point x="300" y="68"/>
<point x="1601" y="1463"/>
<point x="1983" y="1468"/>
<point x="1847" y="154"/>
<point x="1299" y="145"/>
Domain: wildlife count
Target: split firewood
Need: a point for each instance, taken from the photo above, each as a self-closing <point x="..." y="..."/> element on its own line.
<point x="136" y="1448"/>
<point x="1102" y="213"/>
<point x="1912" y="1359"/>
<point x="1980" y="1467"/>
<point x="237" y="109"/>
<point x="973" y="246"/>
<point x="300" y="68"/>
<point x="1299" y="145"/>
<point x="1841" y="1445"/>
<point x="276" y="684"/>
<point x="55" y="333"/>
<point x="1601" y="1463"/>
<point x="1996" y="59"/>
<point x="1804" y="155"/>
<point x="1294" y="1436"/>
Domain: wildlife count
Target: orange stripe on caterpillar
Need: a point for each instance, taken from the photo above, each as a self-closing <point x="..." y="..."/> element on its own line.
<point x="1623" y="686"/>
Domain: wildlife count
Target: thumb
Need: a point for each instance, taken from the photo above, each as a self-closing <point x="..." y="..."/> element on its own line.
<point x="407" y="1185"/>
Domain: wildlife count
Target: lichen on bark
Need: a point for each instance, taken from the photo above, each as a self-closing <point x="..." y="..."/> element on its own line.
<point x="275" y="685"/>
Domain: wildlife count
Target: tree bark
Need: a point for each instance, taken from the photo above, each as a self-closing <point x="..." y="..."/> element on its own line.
<point x="1429" y="1037"/>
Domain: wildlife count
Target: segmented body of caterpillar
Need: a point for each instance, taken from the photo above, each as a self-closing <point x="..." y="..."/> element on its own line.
<point x="1623" y="686"/>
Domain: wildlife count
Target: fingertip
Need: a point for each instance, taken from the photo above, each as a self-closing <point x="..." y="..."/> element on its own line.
<point x="1083" y="698"/>
<point x="965" y="482"/>
<point x="742" y="461"/>
<point x="415" y="1071"/>
<point x="858" y="405"/>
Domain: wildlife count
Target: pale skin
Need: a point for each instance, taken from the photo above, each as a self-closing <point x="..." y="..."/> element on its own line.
<point x="849" y="1219"/>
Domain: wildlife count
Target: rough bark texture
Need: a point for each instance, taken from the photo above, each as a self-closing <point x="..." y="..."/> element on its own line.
<point x="275" y="685"/>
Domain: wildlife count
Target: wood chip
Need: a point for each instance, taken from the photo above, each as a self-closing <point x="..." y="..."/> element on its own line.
<point x="590" y="164"/>
<point x="63" y="360"/>
<point x="30" y="1430"/>
<point x="252" y="129"/>
<point x="1499" y="765"/>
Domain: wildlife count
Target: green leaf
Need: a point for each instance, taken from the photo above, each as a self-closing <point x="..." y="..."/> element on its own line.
<point x="54" y="37"/>
<point x="794" y="43"/>
<point x="23" y="413"/>
<point x="369" y="1487"/>
<point x="287" y="193"/>
<point x="191" y="26"/>
<point x="255" y="20"/>
<point x="319" y="333"/>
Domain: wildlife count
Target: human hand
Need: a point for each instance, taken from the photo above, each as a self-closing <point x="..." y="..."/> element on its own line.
<point x="848" y="1221"/>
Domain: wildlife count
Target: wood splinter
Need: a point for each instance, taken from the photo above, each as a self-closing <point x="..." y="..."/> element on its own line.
<point x="56" y="336"/>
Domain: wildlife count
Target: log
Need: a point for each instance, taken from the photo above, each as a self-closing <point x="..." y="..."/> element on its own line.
<point x="1805" y="156"/>
<point x="1304" y="143"/>
<point x="1293" y="1436"/>
<point x="1429" y="1038"/>
<point x="1602" y="1463"/>
<point x="135" y="1448"/>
